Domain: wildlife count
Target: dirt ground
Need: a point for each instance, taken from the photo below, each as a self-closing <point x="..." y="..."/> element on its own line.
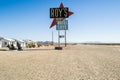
<point x="78" y="62"/>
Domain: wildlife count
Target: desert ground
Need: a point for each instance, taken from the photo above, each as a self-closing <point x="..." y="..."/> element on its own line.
<point x="76" y="62"/>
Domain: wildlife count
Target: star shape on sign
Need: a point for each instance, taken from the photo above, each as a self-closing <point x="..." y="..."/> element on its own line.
<point x="55" y="19"/>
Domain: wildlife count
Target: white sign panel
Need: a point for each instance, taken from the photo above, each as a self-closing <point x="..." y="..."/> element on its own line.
<point x="62" y="25"/>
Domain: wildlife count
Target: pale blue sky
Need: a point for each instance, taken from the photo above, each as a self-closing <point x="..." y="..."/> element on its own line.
<point x="93" y="20"/>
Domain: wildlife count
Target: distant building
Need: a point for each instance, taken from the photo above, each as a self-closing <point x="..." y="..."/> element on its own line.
<point x="3" y="42"/>
<point x="30" y="43"/>
<point x="12" y="41"/>
<point x="22" y="43"/>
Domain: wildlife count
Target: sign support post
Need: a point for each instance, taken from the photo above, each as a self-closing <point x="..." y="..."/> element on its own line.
<point x="52" y="38"/>
<point x="65" y="39"/>
<point x="58" y="38"/>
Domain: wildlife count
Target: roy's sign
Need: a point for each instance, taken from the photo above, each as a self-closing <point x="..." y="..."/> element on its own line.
<point x="59" y="13"/>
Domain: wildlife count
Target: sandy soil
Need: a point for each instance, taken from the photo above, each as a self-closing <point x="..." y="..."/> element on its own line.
<point x="78" y="62"/>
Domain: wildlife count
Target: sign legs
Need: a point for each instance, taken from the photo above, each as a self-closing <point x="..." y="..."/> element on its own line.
<point x="52" y="38"/>
<point x="58" y="48"/>
<point x="65" y="39"/>
<point x="58" y="38"/>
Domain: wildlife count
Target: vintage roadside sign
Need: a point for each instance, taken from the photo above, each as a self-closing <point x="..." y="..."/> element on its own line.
<point x="59" y="16"/>
<point x="62" y="25"/>
<point x="59" y="12"/>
